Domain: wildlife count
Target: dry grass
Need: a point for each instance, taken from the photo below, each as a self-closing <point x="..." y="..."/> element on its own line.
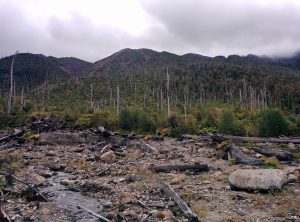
<point x="200" y="209"/>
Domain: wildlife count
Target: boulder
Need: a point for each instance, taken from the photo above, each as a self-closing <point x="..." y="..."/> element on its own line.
<point x="258" y="179"/>
<point x="108" y="157"/>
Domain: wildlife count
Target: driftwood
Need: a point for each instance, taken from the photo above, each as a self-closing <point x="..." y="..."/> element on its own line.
<point x="103" y="172"/>
<point x="148" y="147"/>
<point x="3" y="216"/>
<point x="278" y="153"/>
<point x="242" y="158"/>
<point x="262" y="140"/>
<point x="168" y="168"/>
<point x="9" y="137"/>
<point x="180" y="203"/>
<point x="30" y="186"/>
<point x="94" y="214"/>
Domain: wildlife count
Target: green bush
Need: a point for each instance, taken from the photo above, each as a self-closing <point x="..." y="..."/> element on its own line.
<point x="136" y="120"/>
<point x="84" y="120"/>
<point x="272" y="123"/>
<point x="108" y="120"/>
<point x="229" y="124"/>
<point x="211" y="120"/>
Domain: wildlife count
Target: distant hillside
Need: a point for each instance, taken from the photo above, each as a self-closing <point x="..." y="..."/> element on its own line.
<point x="140" y="75"/>
<point x="127" y="59"/>
<point x="292" y="62"/>
<point x="31" y="70"/>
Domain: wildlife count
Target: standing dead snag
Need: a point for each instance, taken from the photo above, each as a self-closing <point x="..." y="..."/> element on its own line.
<point x="168" y="93"/>
<point x="176" y="198"/>
<point x="9" y="106"/>
<point x="118" y="100"/>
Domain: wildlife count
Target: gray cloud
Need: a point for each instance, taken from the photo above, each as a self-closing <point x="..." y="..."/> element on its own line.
<point x="226" y="27"/>
<point x="208" y="27"/>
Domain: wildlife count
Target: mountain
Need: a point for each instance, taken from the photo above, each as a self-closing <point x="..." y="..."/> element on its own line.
<point x="74" y="65"/>
<point x="140" y="75"/>
<point x="33" y="69"/>
<point x="128" y="59"/>
<point x="292" y="62"/>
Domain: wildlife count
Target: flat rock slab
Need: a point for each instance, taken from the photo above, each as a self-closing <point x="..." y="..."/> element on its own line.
<point x="258" y="179"/>
<point x="59" y="138"/>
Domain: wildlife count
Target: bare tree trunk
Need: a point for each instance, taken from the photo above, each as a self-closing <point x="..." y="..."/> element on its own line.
<point x="185" y="103"/>
<point x="110" y="97"/>
<point x="161" y="99"/>
<point x="22" y="96"/>
<point x="118" y="100"/>
<point x="91" y="102"/>
<point x="9" y="107"/>
<point x="168" y="92"/>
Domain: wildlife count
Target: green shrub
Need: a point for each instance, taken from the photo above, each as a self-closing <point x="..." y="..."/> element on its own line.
<point x="136" y="120"/>
<point x="229" y="124"/>
<point x="108" y="120"/>
<point x="211" y="120"/>
<point x="84" y="120"/>
<point x="272" y="123"/>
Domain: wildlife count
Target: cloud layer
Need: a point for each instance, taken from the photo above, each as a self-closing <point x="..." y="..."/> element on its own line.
<point x="94" y="29"/>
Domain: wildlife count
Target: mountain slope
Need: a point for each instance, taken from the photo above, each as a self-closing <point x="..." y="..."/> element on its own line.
<point x="31" y="70"/>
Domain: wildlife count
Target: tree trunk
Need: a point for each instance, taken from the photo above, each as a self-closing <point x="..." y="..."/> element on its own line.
<point x="168" y="92"/>
<point x="9" y="107"/>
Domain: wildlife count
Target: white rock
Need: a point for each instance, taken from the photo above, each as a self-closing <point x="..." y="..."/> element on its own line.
<point x="258" y="179"/>
<point x="292" y="178"/>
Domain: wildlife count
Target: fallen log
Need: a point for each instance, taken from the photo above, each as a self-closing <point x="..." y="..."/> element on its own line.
<point x="30" y="186"/>
<point x="278" y="153"/>
<point x="180" y="203"/>
<point x="94" y="214"/>
<point x="242" y="158"/>
<point x="262" y="140"/>
<point x="168" y="168"/>
<point x="15" y="134"/>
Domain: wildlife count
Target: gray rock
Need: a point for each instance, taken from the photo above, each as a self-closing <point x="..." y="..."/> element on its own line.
<point x="258" y="179"/>
<point x="292" y="178"/>
<point x="133" y="178"/>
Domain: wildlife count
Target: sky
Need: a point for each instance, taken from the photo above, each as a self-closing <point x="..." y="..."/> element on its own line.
<point x="94" y="29"/>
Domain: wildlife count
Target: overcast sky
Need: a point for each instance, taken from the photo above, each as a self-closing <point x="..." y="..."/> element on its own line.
<point x="94" y="29"/>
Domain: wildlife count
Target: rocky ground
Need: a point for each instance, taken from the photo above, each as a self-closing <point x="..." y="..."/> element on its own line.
<point x="114" y="178"/>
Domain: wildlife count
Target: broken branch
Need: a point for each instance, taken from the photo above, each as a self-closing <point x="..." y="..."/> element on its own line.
<point x="176" y="198"/>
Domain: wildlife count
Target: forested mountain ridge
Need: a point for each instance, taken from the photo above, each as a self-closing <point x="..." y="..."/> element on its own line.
<point x="31" y="70"/>
<point x="139" y="77"/>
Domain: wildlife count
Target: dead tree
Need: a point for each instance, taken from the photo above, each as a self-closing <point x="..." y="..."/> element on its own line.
<point x="168" y="93"/>
<point x="91" y="102"/>
<point x="9" y="107"/>
<point x="118" y="100"/>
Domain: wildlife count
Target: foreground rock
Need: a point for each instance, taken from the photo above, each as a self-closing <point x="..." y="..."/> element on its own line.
<point x="260" y="179"/>
<point x="108" y="157"/>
